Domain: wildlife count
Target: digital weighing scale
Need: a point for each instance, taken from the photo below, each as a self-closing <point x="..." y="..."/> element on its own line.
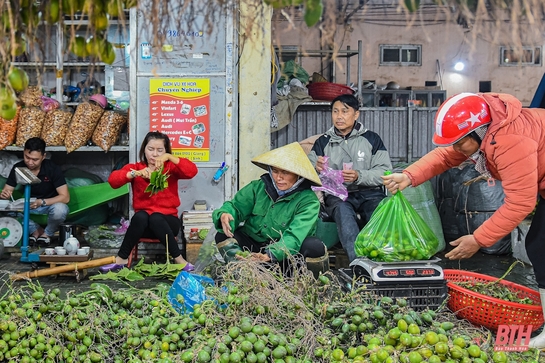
<point x="421" y="283"/>
<point x="395" y="272"/>
<point x="25" y="177"/>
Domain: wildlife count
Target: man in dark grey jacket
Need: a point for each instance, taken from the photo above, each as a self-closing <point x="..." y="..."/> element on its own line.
<point x="348" y="142"/>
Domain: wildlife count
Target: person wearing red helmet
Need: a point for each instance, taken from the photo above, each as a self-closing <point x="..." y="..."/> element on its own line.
<point x="506" y="142"/>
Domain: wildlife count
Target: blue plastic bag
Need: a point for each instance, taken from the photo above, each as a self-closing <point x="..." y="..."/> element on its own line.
<point x="191" y="288"/>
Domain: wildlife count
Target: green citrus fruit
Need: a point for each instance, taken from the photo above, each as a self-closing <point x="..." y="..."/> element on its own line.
<point x="100" y="21"/>
<point x="18" y="79"/>
<point x="52" y="12"/>
<point x="78" y="46"/>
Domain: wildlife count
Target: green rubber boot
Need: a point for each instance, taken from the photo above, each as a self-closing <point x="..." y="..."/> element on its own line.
<point x="228" y="249"/>
<point x="318" y="265"/>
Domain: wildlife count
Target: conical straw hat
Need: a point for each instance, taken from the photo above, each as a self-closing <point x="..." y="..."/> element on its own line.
<point x="291" y="158"/>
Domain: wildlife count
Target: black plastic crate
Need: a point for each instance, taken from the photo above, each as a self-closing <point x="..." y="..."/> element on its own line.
<point x="420" y="295"/>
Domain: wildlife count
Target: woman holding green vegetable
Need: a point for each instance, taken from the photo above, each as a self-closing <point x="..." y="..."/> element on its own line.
<point x="155" y="203"/>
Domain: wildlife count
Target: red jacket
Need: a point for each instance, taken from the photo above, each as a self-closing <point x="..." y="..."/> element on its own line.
<point x="516" y="157"/>
<point x="166" y="201"/>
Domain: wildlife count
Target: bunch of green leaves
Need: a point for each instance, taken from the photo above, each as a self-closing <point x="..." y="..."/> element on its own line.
<point x="142" y="270"/>
<point x="158" y="181"/>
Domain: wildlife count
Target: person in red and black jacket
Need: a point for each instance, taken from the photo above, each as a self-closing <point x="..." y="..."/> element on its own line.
<point x="156" y="215"/>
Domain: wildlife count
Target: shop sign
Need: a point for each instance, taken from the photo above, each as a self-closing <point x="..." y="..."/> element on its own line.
<point x="180" y="108"/>
<point x="513" y="338"/>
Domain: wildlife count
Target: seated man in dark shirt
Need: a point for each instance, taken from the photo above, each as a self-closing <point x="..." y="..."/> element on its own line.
<point x="51" y="194"/>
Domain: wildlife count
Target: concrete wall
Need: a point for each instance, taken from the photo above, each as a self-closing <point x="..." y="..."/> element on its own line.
<point x="443" y="44"/>
<point x="254" y="91"/>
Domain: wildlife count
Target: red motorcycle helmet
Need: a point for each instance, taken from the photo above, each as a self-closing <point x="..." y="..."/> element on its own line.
<point x="458" y="116"/>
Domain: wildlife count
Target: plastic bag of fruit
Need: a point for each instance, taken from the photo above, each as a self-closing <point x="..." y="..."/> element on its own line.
<point x="396" y="232"/>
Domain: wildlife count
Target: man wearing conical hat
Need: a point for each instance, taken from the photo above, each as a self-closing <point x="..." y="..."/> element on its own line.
<point x="278" y="212"/>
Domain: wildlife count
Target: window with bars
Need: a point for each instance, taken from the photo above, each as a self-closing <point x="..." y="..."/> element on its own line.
<point x="527" y="56"/>
<point x="400" y="55"/>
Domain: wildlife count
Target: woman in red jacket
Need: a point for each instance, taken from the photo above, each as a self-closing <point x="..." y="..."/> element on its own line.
<point x="156" y="215"/>
<point x="505" y="141"/>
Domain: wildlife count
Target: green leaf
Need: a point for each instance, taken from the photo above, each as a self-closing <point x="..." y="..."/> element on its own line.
<point x="107" y="276"/>
<point x="153" y="177"/>
<point x="313" y="12"/>
<point x="130" y="275"/>
<point x="412" y="5"/>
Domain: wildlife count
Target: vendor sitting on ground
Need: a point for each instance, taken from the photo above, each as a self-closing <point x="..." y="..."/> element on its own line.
<point x="51" y="194"/>
<point x="279" y="212"/>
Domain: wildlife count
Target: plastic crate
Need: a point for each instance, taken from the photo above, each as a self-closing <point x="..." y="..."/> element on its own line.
<point x="419" y="295"/>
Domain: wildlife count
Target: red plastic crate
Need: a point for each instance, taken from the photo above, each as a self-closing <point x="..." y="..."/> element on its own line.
<point x="488" y="311"/>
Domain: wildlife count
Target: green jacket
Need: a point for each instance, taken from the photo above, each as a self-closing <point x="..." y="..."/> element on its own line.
<point x="285" y="221"/>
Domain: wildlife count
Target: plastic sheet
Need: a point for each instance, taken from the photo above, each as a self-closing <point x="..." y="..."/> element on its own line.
<point x="188" y="290"/>
<point x="49" y="104"/>
<point x="332" y="181"/>
<point x="208" y="253"/>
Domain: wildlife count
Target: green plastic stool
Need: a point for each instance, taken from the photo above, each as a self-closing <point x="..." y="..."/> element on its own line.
<point x="327" y="232"/>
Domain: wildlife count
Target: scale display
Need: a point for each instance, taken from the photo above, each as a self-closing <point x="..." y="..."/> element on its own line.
<point x="408" y="272"/>
<point x="397" y="271"/>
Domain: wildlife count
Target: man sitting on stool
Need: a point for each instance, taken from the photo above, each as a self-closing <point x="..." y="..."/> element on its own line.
<point x="51" y="194"/>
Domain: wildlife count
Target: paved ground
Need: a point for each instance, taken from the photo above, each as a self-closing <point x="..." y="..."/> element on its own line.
<point x="481" y="263"/>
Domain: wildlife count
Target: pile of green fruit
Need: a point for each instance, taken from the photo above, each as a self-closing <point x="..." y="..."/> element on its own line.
<point x="254" y="314"/>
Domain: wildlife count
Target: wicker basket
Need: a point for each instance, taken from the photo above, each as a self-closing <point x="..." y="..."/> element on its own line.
<point x="327" y="91"/>
<point x="487" y="311"/>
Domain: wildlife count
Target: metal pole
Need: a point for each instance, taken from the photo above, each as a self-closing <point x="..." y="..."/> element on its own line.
<point x="410" y="120"/>
<point x="26" y="218"/>
<point x="348" y="56"/>
<point x="360" y="65"/>
<point x="59" y="64"/>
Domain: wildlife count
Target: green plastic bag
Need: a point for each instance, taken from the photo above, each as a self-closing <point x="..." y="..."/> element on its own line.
<point x="396" y="232"/>
<point x="290" y="70"/>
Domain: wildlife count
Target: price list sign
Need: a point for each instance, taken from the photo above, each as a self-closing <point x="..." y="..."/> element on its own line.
<point x="180" y="108"/>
